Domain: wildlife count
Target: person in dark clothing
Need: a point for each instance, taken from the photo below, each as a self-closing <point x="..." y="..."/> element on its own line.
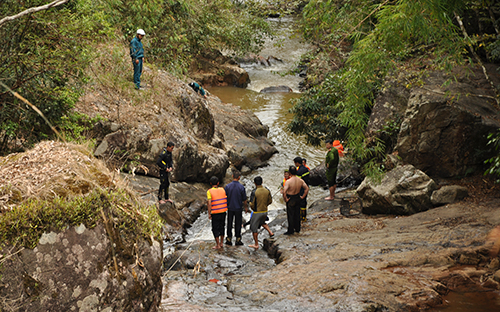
<point x="198" y="89"/>
<point x="236" y="201"/>
<point x="331" y="164"/>
<point x="165" y="163"/>
<point x="303" y="173"/>
<point x="137" y="55"/>
<point x="291" y="194"/>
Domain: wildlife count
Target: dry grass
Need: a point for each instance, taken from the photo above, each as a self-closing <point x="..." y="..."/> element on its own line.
<point x="111" y="93"/>
<point x="52" y="169"/>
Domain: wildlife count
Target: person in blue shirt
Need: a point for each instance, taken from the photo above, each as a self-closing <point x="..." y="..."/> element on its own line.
<point x="236" y="201"/>
<point x="198" y="89"/>
<point x="137" y="55"/>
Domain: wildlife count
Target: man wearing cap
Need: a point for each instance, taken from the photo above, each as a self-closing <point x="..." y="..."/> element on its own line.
<point x="137" y="55"/>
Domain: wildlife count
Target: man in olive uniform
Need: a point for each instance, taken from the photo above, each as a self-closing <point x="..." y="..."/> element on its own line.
<point x="331" y="163"/>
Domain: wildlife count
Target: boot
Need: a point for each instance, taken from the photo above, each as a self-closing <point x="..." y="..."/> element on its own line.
<point x="238" y="241"/>
<point x="228" y="241"/>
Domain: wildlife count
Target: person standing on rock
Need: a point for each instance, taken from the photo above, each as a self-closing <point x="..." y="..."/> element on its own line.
<point x="137" y="55"/>
<point x="304" y="162"/>
<point x="236" y="201"/>
<point x="259" y="200"/>
<point x="331" y="163"/>
<point x="198" y="89"/>
<point x="303" y="173"/>
<point x="293" y="198"/>
<point x="165" y="163"/>
<point x="217" y="207"/>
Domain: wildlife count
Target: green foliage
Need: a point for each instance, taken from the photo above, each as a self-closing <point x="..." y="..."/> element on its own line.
<point x="43" y="57"/>
<point x="494" y="162"/>
<point x="385" y="35"/>
<point x="76" y="127"/>
<point x="24" y="225"/>
<point x="315" y="114"/>
<point x="179" y="30"/>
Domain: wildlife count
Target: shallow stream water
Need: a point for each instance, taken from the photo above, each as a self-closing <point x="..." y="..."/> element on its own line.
<point x="272" y="110"/>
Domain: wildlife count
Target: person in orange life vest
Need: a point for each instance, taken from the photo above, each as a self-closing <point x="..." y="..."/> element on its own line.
<point x="304" y="162"/>
<point x="286" y="176"/>
<point x="338" y="146"/>
<point x="259" y="200"/>
<point x="217" y="207"/>
<point x="303" y="173"/>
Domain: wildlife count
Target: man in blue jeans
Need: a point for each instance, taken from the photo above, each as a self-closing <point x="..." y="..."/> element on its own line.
<point x="137" y="55"/>
<point x="236" y="201"/>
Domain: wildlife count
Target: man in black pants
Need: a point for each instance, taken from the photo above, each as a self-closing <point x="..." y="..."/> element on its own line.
<point x="166" y="166"/>
<point x="303" y="173"/>
<point x="292" y="196"/>
<point x="236" y="201"/>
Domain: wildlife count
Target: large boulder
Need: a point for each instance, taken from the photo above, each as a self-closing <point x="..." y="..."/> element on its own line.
<point x="404" y="190"/>
<point x="444" y="131"/>
<point x="208" y="134"/>
<point x="242" y="136"/>
<point x="75" y="270"/>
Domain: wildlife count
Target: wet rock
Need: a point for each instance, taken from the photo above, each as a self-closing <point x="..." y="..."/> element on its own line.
<point x="468" y="259"/>
<point x="449" y="194"/>
<point x="496" y="276"/>
<point x="491" y="283"/>
<point x="404" y="190"/>
<point x="276" y="89"/>
<point x="245" y="137"/>
<point x="494" y="264"/>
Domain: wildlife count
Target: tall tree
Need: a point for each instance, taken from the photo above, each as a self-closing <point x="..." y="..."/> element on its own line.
<point x="384" y="36"/>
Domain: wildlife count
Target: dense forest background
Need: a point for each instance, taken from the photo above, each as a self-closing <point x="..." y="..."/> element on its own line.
<point x="46" y="55"/>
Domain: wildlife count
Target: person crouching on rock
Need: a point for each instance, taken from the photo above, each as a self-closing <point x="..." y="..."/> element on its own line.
<point x="165" y="163"/>
<point x="259" y="200"/>
<point x="217" y="207"/>
<point x="198" y="89"/>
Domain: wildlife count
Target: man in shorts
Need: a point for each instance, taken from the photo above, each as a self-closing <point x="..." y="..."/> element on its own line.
<point x="259" y="200"/>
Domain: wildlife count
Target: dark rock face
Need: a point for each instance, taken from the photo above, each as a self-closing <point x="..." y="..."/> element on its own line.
<point x="404" y="190"/>
<point x="244" y="136"/>
<point x="208" y="135"/>
<point x="276" y="89"/>
<point x="74" y="271"/>
<point x="439" y="128"/>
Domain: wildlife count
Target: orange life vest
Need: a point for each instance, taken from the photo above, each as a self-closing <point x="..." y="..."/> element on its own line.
<point x="219" y="200"/>
<point x="338" y="146"/>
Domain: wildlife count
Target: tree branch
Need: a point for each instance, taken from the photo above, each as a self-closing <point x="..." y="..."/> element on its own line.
<point x="33" y="10"/>
<point x="478" y="60"/>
